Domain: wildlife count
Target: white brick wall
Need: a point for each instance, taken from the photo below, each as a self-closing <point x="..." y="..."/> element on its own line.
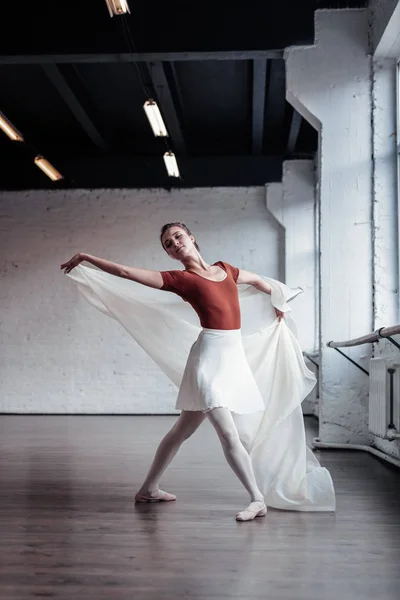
<point x="59" y="355"/>
<point x="385" y="192"/>
<point x="385" y="197"/>
<point x="293" y="204"/>
<point x="331" y="82"/>
<point x="294" y="208"/>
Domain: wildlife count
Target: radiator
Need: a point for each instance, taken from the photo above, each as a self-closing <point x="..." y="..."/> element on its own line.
<point x="380" y="420"/>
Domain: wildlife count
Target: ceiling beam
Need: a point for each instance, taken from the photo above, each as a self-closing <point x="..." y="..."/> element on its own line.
<point x="167" y="106"/>
<point x="177" y="87"/>
<point x="293" y="132"/>
<point x="105" y="171"/>
<point x="259" y="81"/>
<point x="61" y="85"/>
<point x="138" y="57"/>
<point x="275" y="105"/>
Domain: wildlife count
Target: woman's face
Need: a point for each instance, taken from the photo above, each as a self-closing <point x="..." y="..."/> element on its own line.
<point x="177" y="242"/>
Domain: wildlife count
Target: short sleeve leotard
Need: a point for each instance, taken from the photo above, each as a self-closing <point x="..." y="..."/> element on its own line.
<point x="215" y="302"/>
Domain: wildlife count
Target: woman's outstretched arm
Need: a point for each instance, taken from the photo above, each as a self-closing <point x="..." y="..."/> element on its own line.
<point x="254" y="280"/>
<point x="144" y="276"/>
<point x="259" y="283"/>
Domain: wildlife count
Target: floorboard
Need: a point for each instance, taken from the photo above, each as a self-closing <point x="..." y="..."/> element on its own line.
<point x="69" y="527"/>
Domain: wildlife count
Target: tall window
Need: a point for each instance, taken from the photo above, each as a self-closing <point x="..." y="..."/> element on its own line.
<point x="398" y="160"/>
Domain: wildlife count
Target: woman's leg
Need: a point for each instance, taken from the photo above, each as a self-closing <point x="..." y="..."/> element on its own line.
<point x="239" y="461"/>
<point x="235" y="453"/>
<point x="185" y="426"/>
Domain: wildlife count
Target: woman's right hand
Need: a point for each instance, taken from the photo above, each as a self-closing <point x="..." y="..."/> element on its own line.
<point x="72" y="262"/>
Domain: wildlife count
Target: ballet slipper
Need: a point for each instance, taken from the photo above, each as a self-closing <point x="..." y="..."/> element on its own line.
<point x="160" y="496"/>
<point x="255" y="509"/>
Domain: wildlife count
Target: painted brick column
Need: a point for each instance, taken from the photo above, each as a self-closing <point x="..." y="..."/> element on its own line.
<point x="330" y="85"/>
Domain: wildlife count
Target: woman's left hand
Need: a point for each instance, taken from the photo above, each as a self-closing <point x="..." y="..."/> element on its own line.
<point x="279" y="314"/>
<point x="72" y="263"/>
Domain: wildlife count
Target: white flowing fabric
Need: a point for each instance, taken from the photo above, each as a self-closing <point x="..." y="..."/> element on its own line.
<point x="287" y="472"/>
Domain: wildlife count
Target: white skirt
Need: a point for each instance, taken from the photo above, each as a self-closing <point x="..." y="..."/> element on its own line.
<point x="217" y="374"/>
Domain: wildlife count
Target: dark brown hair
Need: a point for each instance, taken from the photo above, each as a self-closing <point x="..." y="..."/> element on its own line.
<point x="167" y="226"/>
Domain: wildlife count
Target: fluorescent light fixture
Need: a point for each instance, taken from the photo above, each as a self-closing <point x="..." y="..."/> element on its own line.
<point x="171" y="164"/>
<point x="9" y="129"/>
<point x="47" y="168"/>
<point x="117" y="7"/>
<point x="155" y="119"/>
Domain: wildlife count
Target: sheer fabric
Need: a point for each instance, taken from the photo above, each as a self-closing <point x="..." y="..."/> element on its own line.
<point x="165" y="327"/>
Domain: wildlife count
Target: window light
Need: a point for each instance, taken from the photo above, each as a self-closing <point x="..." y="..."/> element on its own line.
<point x="117" y="7"/>
<point x="155" y="119"/>
<point x="171" y="164"/>
<point x="47" y="168"/>
<point x="9" y="129"/>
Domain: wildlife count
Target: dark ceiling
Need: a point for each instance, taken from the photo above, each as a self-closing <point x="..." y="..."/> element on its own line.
<point x="74" y="81"/>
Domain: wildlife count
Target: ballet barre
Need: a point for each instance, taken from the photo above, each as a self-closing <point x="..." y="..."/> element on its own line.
<point x="371" y="338"/>
<point x="375" y="336"/>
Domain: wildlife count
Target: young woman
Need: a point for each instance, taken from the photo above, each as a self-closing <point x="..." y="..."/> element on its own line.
<point x="217" y="380"/>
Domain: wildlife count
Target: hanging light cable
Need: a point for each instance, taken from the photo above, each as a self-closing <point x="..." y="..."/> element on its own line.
<point x="150" y="106"/>
<point x="151" y="109"/>
<point x="117" y="7"/>
<point x="10" y="130"/>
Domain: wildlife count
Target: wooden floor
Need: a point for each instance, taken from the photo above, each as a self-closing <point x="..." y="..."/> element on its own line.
<point x="69" y="528"/>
